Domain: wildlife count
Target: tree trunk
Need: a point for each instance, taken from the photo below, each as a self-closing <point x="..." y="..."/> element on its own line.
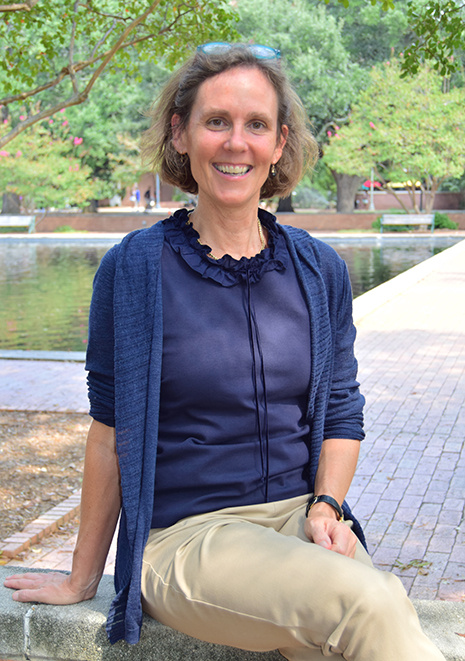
<point x="347" y="187"/>
<point x="285" y="204"/>
<point x="11" y="204"/>
<point x="93" y="206"/>
<point x="430" y="193"/>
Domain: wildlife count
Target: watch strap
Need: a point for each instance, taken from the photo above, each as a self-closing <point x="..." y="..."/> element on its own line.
<point x="329" y="500"/>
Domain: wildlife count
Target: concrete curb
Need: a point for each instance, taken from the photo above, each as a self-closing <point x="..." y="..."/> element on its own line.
<point x="63" y="356"/>
<point x="77" y="633"/>
<point x="375" y="298"/>
<point x="42" y="526"/>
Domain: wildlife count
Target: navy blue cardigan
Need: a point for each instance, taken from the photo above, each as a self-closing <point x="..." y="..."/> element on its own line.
<point x="125" y="343"/>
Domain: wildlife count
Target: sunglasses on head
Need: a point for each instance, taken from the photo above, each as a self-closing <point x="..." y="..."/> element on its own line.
<point x="257" y="50"/>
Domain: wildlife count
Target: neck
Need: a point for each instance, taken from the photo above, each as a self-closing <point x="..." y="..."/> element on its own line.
<point x="237" y="235"/>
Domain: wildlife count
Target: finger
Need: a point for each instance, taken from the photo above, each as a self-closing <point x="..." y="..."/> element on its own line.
<point x="25" y="580"/>
<point x="45" y="595"/>
<point x="344" y="543"/>
<point x="33" y="580"/>
<point x="321" y="538"/>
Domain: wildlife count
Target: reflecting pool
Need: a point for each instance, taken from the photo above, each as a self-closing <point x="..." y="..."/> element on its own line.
<point x="46" y="286"/>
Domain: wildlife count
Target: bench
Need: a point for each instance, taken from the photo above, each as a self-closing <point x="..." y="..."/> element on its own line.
<point x="77" y="633"/>
<point x="18" y="221"/>
<point x="407" y="219"/>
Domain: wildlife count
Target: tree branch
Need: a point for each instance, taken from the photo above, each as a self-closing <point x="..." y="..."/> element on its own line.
<point x="399" y="199"/>
<point x="80" y="97"/>
<point x="123" y="19"/>
<point x="65" y="72"/>
<point x="104" y="38"/>
<point x="19" y="6"/>
<point x="72" y="73"/>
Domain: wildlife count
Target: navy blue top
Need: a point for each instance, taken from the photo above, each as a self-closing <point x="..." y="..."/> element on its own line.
<point x="235" y="378"/>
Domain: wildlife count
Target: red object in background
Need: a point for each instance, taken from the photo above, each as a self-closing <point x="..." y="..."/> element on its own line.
<point x="367" y="184"/>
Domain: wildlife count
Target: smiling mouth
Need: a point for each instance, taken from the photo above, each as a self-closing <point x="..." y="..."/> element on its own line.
<point x="236" y="170"/>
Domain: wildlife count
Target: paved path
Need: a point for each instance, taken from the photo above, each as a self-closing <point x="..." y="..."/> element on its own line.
<point x="409" y="489"/>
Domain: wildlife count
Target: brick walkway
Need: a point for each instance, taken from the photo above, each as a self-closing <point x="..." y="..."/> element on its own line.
<point x="409" y="489"/>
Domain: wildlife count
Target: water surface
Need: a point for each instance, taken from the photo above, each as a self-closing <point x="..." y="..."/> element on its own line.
<point x="46" y="286"/>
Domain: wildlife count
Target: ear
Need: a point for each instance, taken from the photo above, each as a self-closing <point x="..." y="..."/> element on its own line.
<point x="278" y="152"/>
<point x="178" y="134"/>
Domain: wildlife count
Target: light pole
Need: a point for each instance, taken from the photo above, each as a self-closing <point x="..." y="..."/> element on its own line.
<point x="372" y="204"/>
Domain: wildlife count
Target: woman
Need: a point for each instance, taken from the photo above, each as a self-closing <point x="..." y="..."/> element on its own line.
<point x="221" y="348"/>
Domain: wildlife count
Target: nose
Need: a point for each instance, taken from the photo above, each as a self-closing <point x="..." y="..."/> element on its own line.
<point x="236" y="141"/>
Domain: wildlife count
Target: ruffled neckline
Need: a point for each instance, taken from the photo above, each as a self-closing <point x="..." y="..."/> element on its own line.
<point x="226" y="271"/>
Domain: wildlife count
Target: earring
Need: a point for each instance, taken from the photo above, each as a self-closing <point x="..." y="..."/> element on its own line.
<point x="183" y="157"/>
<point x="273" y="170"/>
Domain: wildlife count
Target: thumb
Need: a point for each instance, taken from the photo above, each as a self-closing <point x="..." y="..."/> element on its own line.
<point x="321" y="538"/>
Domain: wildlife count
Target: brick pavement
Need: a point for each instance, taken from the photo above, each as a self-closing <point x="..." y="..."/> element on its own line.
<point x="43" y="385"/>
<point x="409" y="488"/>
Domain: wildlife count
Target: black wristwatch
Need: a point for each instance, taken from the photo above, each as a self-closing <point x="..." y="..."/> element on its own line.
<point x="329" y="501"/>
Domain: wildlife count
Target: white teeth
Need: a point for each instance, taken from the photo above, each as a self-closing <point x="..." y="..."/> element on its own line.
<point x="233" y="169"/>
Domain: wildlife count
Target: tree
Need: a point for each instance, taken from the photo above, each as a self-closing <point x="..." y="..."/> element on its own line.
<point x="407" y="129"/>
<point x="45" y="168"/>
<point x="63" y="47"/>
<point x="438" y="33"/>
<point x="111" y="123"/>
<point x="369" y="33"/>
<point x="311" y="46"/>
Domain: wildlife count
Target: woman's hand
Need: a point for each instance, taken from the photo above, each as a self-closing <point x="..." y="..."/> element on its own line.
<point x="49" y="588"/>
<point x="336" y="468"/>
<point x="100" y="507"/>
<point x="331" y="534"/>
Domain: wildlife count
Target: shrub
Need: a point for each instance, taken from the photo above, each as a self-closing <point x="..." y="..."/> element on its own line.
<point x="64" y="228"/>
<point x="442" y="221"/>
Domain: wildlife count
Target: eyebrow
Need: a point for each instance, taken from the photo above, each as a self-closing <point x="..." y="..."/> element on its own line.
<point x="223" y="112"/>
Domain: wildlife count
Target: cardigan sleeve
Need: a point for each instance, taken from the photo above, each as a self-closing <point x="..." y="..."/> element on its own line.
<point x="344" y="416"/>
<point x="100" y="348"/>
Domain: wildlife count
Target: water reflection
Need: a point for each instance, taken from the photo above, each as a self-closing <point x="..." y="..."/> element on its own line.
<point x="45" y="291"/>
<point x="45" y="288"/>
<point x="374" y="261"/>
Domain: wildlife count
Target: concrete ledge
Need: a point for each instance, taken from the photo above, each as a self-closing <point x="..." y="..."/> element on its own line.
<point x="63" y="356"/>
<point x="37" y="632"/>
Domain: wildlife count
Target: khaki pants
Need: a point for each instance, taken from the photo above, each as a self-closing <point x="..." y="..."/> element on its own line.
<point x="249" y="578"/>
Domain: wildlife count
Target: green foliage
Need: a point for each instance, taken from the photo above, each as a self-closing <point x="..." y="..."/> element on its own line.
<point x="439" y="26"/>
<point x="44" y="167"/>
<point x="442" y="221"/>
<point x="438" y="33"/>
<point x="371" y="34"/>
<point x="385" y="4"/>
<point x="65" y="229"/>
<point x="62" y="46"/>
<point x="312" y="49"/>
<point x="407" y="129"/>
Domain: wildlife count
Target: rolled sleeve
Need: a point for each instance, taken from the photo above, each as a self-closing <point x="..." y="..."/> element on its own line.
<point x="344" y="417"/>
<point x="100" y="349"/>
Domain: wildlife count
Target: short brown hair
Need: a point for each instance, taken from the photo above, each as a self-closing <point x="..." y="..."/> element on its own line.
<point x="178" y="97"/>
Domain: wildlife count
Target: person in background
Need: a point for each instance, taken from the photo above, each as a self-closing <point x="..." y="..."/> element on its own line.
<point x="227" y="415"/>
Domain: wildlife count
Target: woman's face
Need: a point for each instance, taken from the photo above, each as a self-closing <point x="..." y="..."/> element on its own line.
<point x="232" y="137"/>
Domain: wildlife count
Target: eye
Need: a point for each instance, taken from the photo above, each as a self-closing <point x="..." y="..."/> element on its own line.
<point x="216" y="123"/>
<point x="257" y="125"/>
